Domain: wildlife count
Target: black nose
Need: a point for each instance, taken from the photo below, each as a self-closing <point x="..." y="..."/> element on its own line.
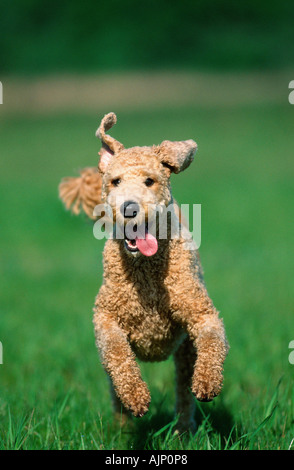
<point x="129" y="209"/>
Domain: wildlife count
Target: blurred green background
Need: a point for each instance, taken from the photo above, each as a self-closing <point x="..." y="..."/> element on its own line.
<point x="217" y="73"/>
<point x="115" y="35"/>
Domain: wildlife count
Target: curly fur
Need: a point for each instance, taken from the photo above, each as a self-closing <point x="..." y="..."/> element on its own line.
<point x="83" y="193"/>
<point x="150" y="307"/>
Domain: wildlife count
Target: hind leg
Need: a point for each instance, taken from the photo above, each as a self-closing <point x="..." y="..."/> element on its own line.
<point x="185" y="358"/>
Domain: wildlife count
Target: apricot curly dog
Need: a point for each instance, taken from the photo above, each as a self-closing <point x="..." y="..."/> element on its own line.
<point x="153" y="301"/>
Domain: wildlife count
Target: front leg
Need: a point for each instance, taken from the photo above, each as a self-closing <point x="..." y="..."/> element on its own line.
<point x="211" y="345"/>
<point x="119" y="362"/>
<point x="206" y="331"/>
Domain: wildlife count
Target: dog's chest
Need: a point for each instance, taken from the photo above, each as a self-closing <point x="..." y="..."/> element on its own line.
<point x="145" y="316"/>
<point x="144" y="301"/>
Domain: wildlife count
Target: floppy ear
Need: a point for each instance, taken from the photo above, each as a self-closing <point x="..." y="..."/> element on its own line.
<point x="110" y="146"/>
<point x="176" y="156"/>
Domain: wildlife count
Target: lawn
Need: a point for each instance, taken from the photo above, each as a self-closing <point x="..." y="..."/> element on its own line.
<point x="53" y="390"/>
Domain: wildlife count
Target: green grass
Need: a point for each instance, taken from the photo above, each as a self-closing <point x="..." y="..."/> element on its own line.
<point x="53" y="391"/>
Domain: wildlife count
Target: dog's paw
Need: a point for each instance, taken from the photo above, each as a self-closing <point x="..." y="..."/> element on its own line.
<point x="138" y="400"/>
<point x="206" y="386"/>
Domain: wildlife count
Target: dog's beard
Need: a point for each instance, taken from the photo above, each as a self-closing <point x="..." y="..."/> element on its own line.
<point x="139" y="239"/>
<point x="139" y="234"/>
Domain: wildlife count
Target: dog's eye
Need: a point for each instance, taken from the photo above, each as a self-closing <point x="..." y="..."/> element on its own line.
<point x="115" y="182"/>
<point x="149" y="182"/>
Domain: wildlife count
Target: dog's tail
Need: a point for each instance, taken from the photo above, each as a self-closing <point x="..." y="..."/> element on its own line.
<point x="82" y="192"/>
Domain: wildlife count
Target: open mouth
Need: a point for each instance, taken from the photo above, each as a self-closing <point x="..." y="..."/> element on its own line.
<point x="131" y="245"/>
<point x="143" y="241"/>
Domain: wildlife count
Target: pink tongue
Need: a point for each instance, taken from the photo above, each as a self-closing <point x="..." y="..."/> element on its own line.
<point x="148" y="245"/>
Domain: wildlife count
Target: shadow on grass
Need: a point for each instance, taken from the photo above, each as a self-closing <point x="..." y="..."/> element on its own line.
<point x="219" y="418"/>
<point x="156" y="430"/>
<point x="144" y="430"/>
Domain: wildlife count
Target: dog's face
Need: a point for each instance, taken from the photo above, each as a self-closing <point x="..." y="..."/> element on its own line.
<point x="135" y="186"/>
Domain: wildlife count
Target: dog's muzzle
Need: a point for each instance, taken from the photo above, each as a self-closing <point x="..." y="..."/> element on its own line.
<point x="129" y="209"/>
<point x="137" y="237"/>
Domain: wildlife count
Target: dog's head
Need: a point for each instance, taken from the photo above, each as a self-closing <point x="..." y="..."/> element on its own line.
<point x="136" y="183"/>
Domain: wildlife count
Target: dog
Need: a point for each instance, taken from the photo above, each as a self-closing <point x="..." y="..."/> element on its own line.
<point x="153" y="302"/>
